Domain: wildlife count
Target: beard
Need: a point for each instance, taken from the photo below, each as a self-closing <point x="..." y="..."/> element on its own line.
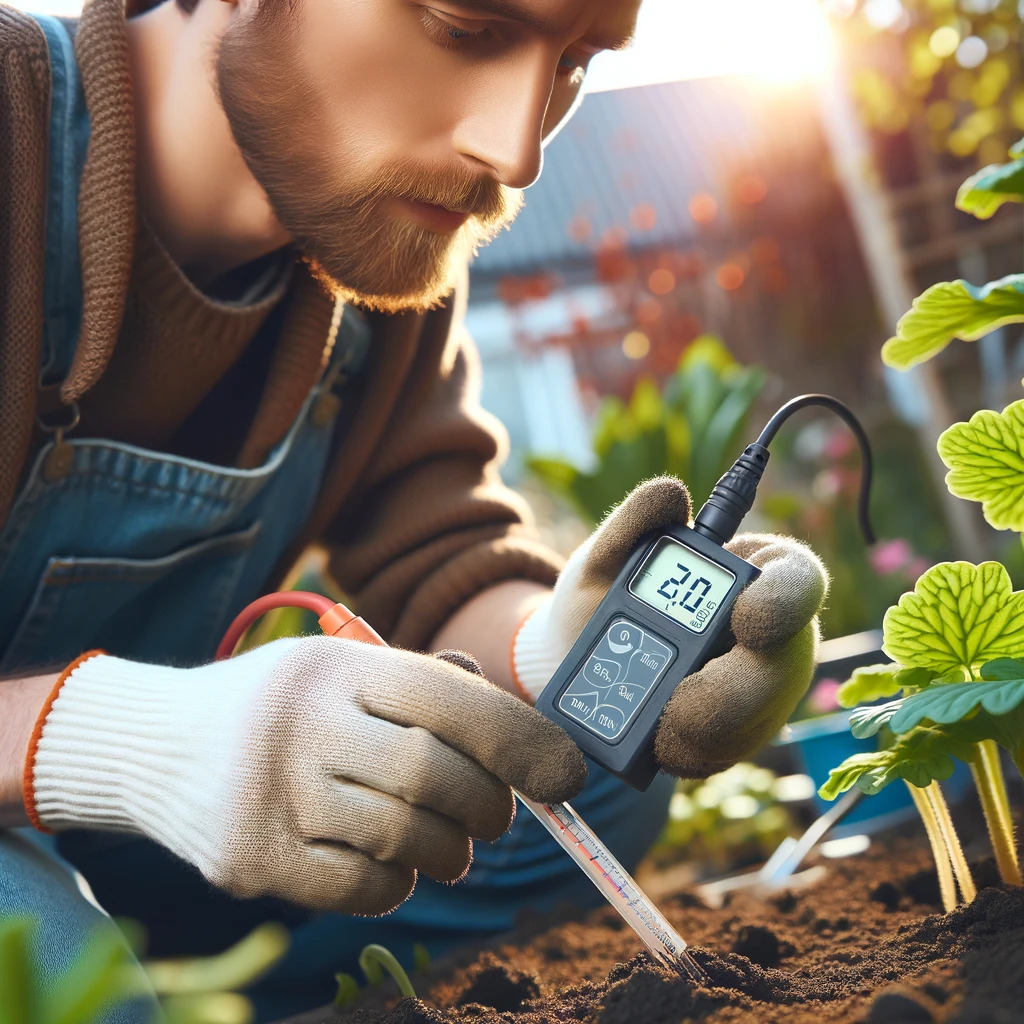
<point x="337" y="216"/>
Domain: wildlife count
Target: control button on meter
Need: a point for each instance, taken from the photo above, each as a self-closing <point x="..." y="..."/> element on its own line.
<point x="608" y="721"/>
<point x="601" y="671"/>
<point x="627" y="696"/>
<point x="622" y="639"/>
<point x="648" y="663"/>
<point x="581" y="705"/>
<point x="615" y="679"/>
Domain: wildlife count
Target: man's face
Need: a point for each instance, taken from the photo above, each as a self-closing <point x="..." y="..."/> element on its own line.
<point x="394" y="137"/>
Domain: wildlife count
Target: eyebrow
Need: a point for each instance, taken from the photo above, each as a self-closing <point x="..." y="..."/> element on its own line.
<point x="514" y="10"/>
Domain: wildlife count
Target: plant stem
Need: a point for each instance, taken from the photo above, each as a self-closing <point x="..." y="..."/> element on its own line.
<point x="993" y="761"/>
<point x="956" y="853"/>
<point x="939" y="849"/>
<point x="988" y="778"/>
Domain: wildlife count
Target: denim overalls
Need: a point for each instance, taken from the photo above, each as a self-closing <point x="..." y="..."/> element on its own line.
<point x="149" y="556"/>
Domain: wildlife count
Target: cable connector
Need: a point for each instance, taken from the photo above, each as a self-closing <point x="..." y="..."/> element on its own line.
<point x="734" y="494"/>
<point x="721" y="515"/>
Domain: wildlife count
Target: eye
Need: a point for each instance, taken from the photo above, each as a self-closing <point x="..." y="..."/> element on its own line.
<point x="451" y="32"/>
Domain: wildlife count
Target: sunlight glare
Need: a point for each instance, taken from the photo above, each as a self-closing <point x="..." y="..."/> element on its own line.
<point x="783" y="41"/>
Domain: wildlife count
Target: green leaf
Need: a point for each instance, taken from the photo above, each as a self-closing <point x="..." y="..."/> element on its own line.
<point x="102" y="974"/>
<point x="986" y="461"/>
<point x="237" y="967"/>
<point x="646" y="405"/>
<point x="913" y="679"/>
<point x="869" y="683"/>
<point x="207" y="1008"/>
<point x="19" y="995"/>
<point x="1003" y="668"/>
<point x="711" y="350"/>
<point x="985" y="192"/>
<point x="865" y="722"/>
<point x="946" y="704"/>
<point x="420" y="958"/>
<point x="920" y="758"/>
<point x="557" y="474"/>
<point x="348" y="990"/>
<point x="953" y="309"/>
<point x="1000" y="692"/>
<point x="958" y="616"/>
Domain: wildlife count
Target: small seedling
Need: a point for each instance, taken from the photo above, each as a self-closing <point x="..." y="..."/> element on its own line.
<point x="420" y="958"/>
<point x="957" y="641"/>
<point x="348" y="990"/>
<point x="374" y="960"/>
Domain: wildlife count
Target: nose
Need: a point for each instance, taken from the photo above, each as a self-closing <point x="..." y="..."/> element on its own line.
<point x="503" y="125"/>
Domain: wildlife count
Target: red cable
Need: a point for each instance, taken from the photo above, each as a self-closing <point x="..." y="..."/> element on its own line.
<point x="316" y="603"/>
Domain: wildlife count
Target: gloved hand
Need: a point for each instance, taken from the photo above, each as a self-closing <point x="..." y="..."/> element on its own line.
<point x="321" y="770"/>
<point x="553" y="627"/>
<point x="736" y="703"/>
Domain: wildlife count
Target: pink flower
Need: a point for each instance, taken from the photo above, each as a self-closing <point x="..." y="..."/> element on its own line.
<point x="891" y="556"/>
<point x="823" y="697"/>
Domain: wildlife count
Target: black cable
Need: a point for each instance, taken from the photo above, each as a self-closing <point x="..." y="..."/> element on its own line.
<point x="847" y="416"/>
<point x="734" y="494"/>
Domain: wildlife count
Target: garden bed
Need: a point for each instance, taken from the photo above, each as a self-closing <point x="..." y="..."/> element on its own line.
<point x="868" y="942"/>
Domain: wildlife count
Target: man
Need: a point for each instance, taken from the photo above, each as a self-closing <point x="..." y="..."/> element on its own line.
<point x="230" y="236"/>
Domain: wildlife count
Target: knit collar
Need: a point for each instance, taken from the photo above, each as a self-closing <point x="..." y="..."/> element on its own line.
<point x="107" y="203"/>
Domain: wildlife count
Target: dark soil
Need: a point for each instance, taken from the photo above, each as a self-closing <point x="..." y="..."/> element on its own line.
<point x="867" y="944"/>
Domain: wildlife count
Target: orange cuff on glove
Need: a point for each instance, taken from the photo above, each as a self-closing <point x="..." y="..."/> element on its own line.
<point x="27" y="788"/>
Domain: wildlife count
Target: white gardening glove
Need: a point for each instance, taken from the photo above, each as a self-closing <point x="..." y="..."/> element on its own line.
<point x="320" y="770"/>
<point x="737" y="702"/>
<point x="547" y="635"/>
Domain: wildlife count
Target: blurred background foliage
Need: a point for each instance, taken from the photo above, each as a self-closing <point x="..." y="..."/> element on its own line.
<point x="952" y="66"/>
<point x="689" y="426"/>
<point x="731" y="820"/>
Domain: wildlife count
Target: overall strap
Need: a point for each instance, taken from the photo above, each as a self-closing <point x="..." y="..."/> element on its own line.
<point x="68" y="143"/>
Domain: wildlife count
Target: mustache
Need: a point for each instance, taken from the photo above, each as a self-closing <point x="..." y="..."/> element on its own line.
<point x="484" y="198"/>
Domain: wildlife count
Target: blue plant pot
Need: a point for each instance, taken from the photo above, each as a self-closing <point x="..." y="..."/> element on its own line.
<point x="821" y="744"/>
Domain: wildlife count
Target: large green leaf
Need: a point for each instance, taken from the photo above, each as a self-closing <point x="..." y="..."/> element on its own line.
<point x="985" y="192"/>
<point x="869" y="683"/>
<point x="920" y="757"/>
<point x="958" y="616"/>
<point x="945" y="704"/>
<point x="865" y="722"/>
<point x="1000" y="692"/>
<point x="986" y="461"/>
<point x="953" y="309"/>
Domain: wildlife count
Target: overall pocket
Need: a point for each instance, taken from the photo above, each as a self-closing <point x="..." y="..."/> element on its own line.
<point x="170" y="610"/>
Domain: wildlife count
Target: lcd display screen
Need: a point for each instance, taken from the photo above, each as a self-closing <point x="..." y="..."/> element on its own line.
<point x="682" y="584"/>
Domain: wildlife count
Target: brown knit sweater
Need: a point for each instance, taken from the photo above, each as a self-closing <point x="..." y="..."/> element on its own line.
<point x="412" y="510"/>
